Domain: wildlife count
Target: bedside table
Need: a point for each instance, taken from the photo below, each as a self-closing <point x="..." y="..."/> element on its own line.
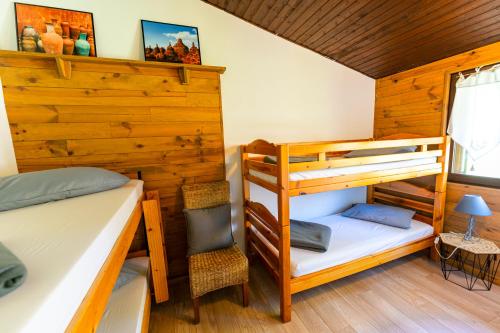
<point x="483" y="253"/>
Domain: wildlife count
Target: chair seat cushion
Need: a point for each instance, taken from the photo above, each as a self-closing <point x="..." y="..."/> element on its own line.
<point x="217" y="269"/>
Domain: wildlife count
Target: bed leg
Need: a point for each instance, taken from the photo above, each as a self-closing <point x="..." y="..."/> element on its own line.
<point x="196" y="309"/>
<point x="244" y="290"/>
<point x="286" y="307"/>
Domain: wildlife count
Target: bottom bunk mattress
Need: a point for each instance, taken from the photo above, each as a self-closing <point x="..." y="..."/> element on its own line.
<point x="352" y="239"/>
<point x="127" y="304"/>
<point x="63" y="245"/>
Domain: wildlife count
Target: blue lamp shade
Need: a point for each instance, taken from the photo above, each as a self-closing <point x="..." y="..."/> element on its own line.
<point x="473" y="205"/>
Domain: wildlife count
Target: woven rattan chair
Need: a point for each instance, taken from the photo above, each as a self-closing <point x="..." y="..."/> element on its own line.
<point x="215" y="269"/>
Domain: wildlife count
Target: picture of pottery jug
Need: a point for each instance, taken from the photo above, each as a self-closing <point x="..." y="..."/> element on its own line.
<point x="90" y="39"/>
<point x="29" y="39"/>
<point x="82" y="47"/>
<point x="74" y="32"/>
<point x="52" y="42"/>
<point x="57" y="28"/>
<point x="28" y="44"/>
<point x="68" y="43"/>
<point x="29" y="31"/>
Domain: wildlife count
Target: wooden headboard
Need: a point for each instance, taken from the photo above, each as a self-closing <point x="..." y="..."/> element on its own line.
<point x="162" y="120"/>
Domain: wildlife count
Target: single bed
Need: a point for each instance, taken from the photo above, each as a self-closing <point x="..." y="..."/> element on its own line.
<point x="63" y="245"/>
<point x="353" y="239"/>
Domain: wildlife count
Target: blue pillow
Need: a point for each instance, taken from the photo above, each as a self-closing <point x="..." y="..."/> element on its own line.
<point x="388" y="215"/>
<point x="32" y="188"/>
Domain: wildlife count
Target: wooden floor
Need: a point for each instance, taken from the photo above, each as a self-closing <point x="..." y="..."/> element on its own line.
<point x="407" y="295"/>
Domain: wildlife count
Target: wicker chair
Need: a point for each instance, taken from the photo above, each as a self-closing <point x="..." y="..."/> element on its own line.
<point x="216" y="269"/>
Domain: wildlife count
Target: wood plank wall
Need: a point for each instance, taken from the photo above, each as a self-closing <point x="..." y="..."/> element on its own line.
<point x="126" y="116"/>
<point x="413" y="102"/>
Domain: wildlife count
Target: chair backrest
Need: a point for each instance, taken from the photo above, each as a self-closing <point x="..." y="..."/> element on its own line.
<point x="205" y="195"/>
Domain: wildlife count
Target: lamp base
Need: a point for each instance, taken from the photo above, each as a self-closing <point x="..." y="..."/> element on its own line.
<point x="470" y="228"/>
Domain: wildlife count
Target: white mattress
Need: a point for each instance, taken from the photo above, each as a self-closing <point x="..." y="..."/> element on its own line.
<point x="353" y="239"/>
<point x="350" y="170"/>
<point x="125" y="310"/>
<point x="63" y="245"/>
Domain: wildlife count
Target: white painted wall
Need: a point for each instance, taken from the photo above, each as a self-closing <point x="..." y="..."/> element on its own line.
<point x="272" y="89"/>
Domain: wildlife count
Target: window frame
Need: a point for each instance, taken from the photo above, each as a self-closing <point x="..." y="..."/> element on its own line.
<point x="458" y="177"/>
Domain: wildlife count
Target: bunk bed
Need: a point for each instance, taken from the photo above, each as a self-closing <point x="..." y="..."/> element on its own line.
<point x="294" y="169"/>
<point x="73" y="250"/>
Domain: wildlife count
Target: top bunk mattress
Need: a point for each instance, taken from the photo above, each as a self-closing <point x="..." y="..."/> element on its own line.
<point x="353" y="239"/>
<point x="63" y="245"/>
<point x="350" y="170"/>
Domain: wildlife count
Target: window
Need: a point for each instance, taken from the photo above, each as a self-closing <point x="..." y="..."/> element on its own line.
<point x="474" y="125"/>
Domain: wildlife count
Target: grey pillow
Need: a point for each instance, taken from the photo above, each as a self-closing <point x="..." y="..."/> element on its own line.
<point x="127" y="274"/>
<point x="208" y="229"/>
<point x="32" y="188"/>
<point x="291" y="159"/>
<point x="388" y="215"/>
<point x="380" y="151"/>
<point x="309" y="236"/>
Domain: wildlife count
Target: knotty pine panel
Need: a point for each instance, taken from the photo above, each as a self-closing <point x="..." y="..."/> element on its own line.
<point x="414" y="101"/>
<point x="126" y="116"/>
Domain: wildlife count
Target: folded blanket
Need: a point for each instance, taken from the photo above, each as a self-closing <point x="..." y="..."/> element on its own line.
<point x="12" y="271"/>
<point x="309" y="236"/>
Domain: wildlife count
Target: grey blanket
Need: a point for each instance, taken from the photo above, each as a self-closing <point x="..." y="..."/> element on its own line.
<point x="12" y="271"/>
<point x="309" y="236"/>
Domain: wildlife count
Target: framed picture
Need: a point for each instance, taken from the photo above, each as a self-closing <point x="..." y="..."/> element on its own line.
<point x="171" y="43"/>
<point x="54" y="30"/>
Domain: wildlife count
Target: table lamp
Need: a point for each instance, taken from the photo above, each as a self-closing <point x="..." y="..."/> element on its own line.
<point x="473" y="205"/>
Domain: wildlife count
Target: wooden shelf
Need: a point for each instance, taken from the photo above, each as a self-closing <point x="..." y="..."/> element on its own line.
<point x="63" y="63"/>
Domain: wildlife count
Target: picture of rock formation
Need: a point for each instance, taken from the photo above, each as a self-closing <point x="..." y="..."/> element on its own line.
<point x="179" y="53"/>
<point x="167" y="43"/>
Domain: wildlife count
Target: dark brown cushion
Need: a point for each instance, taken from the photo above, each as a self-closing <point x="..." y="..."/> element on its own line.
<point x="208" y="229"/>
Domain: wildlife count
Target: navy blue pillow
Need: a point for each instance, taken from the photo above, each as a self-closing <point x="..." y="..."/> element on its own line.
<point x="388" y="215"/>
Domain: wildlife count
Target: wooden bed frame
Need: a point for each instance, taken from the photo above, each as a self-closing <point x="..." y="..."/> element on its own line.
<point x="89" y="314"/>
<point x="269" y="238"/>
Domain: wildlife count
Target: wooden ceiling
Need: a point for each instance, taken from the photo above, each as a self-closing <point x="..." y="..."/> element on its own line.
<point x="376" y="37"/>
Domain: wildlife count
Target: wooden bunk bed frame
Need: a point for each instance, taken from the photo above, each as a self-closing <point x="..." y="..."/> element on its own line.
<point x="91" y="310"/>
<point x="269" y="238"/>
<point x="97" y="105"/>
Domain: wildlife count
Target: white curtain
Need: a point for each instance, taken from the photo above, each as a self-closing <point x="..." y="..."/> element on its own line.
<point x="475" y="117"/>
